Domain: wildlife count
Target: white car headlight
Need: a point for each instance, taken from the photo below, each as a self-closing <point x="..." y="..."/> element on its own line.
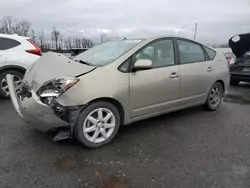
<point x="56" y="87"/>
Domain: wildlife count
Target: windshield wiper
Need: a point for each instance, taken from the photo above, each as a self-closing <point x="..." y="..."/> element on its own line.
<point x="83" y="62"/>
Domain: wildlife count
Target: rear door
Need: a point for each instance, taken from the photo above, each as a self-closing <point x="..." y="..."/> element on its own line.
<point x="196" y="72"/>
<point x="10" y="50"/>
<point x="3" y="57"/>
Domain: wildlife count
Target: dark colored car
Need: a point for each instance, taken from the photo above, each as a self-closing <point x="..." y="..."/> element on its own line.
<point x="240" y="69"/>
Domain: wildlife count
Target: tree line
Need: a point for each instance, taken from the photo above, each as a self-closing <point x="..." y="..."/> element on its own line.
<point x="55" y="41"/>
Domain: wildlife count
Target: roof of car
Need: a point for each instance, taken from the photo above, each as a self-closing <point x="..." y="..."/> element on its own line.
<point x="13" y="36"/>
<point x="159" y="37"/>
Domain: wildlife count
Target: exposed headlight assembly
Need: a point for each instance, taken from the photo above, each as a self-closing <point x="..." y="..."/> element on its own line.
<point x="54" y="88"/>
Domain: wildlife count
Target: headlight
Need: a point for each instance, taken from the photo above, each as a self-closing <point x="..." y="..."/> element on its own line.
<point x="56" y="87"/>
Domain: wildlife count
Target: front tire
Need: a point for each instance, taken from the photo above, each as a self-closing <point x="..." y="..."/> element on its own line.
<point x="18" y="77"/>
<point x="97" y="125"/>
<point x="214" y="98"/>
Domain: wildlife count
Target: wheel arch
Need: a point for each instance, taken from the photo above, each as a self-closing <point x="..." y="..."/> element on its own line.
<point x="115" y="102"/>
<point x="12" y="67"/>
<point x="222" y="83"/>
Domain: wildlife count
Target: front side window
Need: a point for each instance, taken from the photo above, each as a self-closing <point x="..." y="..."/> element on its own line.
<point x="161" y="53"/>
<point x="106" y="53"/>
<point x="190" y="52"/>
<point x="6" y="43"/>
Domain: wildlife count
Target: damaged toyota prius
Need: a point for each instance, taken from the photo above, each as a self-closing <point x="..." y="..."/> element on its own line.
<point x="117" y="83"/>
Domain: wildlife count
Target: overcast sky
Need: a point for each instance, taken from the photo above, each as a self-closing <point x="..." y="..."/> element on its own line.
<point x="217" y="19"/>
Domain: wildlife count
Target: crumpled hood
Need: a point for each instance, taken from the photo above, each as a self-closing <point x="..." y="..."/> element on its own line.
<point x="52" y="65"/>
<point x="240" y="44"/>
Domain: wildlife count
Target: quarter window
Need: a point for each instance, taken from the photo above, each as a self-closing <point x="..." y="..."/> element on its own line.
<point x="210" y="53"/>
<point x="124" y="67"/>
<point x="6" y="43"/>
<point x="190" y="52"/>
<point x="161" y="53"/>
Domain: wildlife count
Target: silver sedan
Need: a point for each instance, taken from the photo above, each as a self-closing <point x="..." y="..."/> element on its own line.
<point x="117" y="83"/>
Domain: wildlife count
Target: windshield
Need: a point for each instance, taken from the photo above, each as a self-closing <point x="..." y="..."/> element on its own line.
<point x="106" y="53"/>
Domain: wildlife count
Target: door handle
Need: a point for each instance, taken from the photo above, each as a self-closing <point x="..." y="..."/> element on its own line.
<point x="209" y="69"/>
<point x="174" y="75"/>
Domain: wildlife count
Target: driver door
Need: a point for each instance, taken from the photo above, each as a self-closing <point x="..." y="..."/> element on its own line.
<point x="155" y="90"/>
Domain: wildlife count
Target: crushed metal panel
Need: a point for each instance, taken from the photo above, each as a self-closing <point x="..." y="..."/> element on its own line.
<point x="53" y="65"/>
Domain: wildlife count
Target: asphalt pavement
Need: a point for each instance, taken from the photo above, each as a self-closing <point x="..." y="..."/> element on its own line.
<point x="190" y="148"/>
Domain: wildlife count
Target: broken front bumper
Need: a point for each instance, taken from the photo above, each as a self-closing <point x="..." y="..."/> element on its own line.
<point x="33" y="111"/>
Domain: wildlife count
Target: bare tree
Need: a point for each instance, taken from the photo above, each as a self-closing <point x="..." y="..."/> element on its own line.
<point x="22" y="28"/>
<point x="41" y="40"/>
<point x="76" y="42"/>
<point x="68" y="43"/>
<point x="58" y="42"/>
<point x="55" y="36"/>
<point x="86" y="43"/>
<point x="1" y="29"/>
<point x="33" y="36"/>
<point x="61" y="42"/>
<point x="7" y="25"/>
<point x="10" y="26"/>
<point x="25" y="28"/>
<point x="46" y="46"/>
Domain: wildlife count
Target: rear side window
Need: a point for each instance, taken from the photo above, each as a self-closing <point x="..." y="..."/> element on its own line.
<point x="210" y="53"/>
<point x="6" y="43"/>
<point x="190" y="52"/>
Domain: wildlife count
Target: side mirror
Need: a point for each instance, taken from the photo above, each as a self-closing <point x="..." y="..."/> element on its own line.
<point x="143" y="64"/>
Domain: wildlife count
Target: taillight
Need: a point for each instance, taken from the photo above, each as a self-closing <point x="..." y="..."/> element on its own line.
<point x="36" y="51"/>
<point x="228" y="58"/>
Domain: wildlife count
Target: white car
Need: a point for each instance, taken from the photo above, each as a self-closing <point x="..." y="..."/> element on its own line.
<point x="16" y="55"/>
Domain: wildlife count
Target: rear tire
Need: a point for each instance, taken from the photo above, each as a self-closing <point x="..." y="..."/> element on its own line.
<point x="94" y="130"/>
<point x="3" y="83"/>
<point x="214" y="98"/>
<point x="234" y="82"/>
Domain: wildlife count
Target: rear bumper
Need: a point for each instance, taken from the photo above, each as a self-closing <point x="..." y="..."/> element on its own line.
<point x="240" y="77"/>
<point x="33" y="111"/>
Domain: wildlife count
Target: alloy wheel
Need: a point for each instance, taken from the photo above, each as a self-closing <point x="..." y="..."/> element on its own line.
<point x="99" y="125"/>
<point x="17" y="82"/>
<point x="215" y="96"/>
